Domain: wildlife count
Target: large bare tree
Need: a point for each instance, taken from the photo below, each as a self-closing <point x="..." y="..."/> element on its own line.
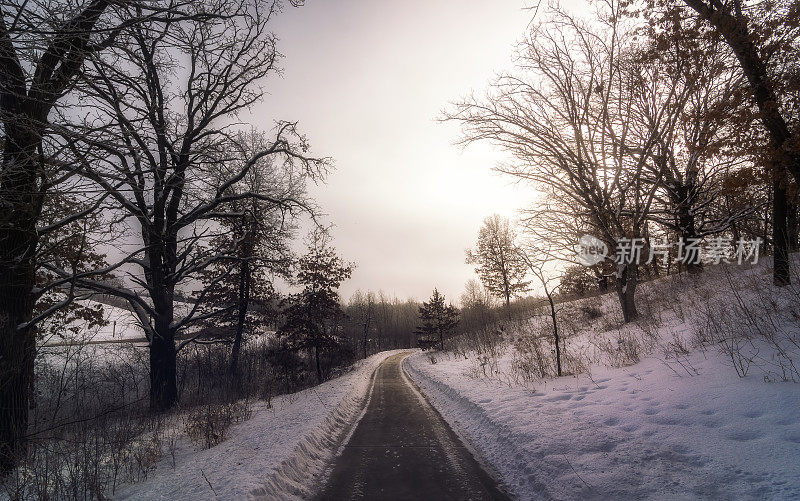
<point x="43" y="47"/>
<point x="166" y="106"/>
<point x="571" y="116"/>
<point x="692" y="154"/>
<point x="762" y="37"/>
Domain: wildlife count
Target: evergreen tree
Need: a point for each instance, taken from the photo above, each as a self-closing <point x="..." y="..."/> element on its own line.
<point x="438" y="319"/>
<point x="309" y="314"/>
<point x="238" y="289"/>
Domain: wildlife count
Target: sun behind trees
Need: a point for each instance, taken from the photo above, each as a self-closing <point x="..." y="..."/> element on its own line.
<point x="629" y="131"/>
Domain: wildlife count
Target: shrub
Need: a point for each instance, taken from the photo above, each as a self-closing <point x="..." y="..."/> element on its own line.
<point x="626" y="350"/>
<point x="532" y="359"/>
<point x="591" y="312"/>
<point x="207" y="425"/>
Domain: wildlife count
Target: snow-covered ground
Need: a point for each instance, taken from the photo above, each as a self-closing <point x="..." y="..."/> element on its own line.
<point x="121" y="324"/>
<point x="279" y="453"/>
<point x="636" y="433"/>
<point x="679" y="424"/>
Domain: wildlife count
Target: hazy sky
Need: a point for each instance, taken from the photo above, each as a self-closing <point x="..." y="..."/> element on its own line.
<point x="366" y="80"/>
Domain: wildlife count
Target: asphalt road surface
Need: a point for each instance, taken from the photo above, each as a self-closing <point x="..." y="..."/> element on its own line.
<point x="403" y="449"/>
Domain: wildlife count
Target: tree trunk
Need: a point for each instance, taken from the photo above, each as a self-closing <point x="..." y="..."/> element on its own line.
<point x="735" y="231"/>
<point x="163" y="356"/>
<point x="24" y="113"/>
<point x="319" y="368"/>
<point x="163" y="372"/>
<point x="686" y="223"/>
<point x="555" y="330"/>
<point x="780" y="262"/>
<point x="792" y="227"/>
<point x="767" y="245"/>
<point x="367" y="324"/>
<point x="17" y="352"/>
<point x="244" y="300"/>
<point x="18" y="240"/>
<point x="365" y="337"/>
<point x="626" y="291"/>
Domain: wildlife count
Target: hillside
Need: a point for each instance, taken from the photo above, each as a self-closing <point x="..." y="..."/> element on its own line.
<point x="697" y="399"/>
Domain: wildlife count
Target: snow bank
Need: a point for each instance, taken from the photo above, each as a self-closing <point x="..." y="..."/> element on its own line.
<point x="280" y="453"/>
<point x="642" y="432"/>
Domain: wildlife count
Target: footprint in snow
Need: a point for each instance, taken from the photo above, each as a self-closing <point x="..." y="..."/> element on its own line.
<point x="668" y="421"/>
<point x="556" y="398"/>
<point x="744" y="435"/>
<point x="792" y="437"/>
<point x="752" y="414"/>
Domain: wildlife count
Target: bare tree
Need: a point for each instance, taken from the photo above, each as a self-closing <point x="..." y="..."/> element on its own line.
<point x="499" y="266"/>
<point x="166" y="105"/>
<point x="361" y="310"/>
<point x="760" y="35"/>
<point x="572" y="117"/>
<point x="259" y="237"/>
<point x="374" y="322"/>
<point x="476" y="306"/>
<point x="541" y="267"/>
<point x="43" y="47"/>
<point x="692" y="155"/>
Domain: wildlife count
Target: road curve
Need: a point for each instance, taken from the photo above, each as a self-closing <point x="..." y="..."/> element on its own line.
<point x="403" y="449"/>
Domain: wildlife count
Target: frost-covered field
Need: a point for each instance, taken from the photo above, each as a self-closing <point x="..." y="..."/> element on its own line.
<point x="709" y="411"/>
<point x="279" y="453"/>
<point x="121" y="324"/>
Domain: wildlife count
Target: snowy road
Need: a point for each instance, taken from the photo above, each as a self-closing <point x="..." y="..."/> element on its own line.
<point x="403" y="449"/>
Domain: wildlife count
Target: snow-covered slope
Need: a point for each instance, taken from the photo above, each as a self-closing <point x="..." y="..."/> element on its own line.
<point x="280" y="453"/>
<point x="643" y="432"/>
<point x="679" y="424"/>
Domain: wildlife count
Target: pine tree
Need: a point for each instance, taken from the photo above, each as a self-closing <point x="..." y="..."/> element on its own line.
<point x="309" y="313"/>
<point x="238" y="289"/>
<point x="438" y="319"/>
<point x="240" y="293"/>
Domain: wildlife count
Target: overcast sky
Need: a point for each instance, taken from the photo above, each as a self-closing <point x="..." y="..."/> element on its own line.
<point x="366" y="80"/>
